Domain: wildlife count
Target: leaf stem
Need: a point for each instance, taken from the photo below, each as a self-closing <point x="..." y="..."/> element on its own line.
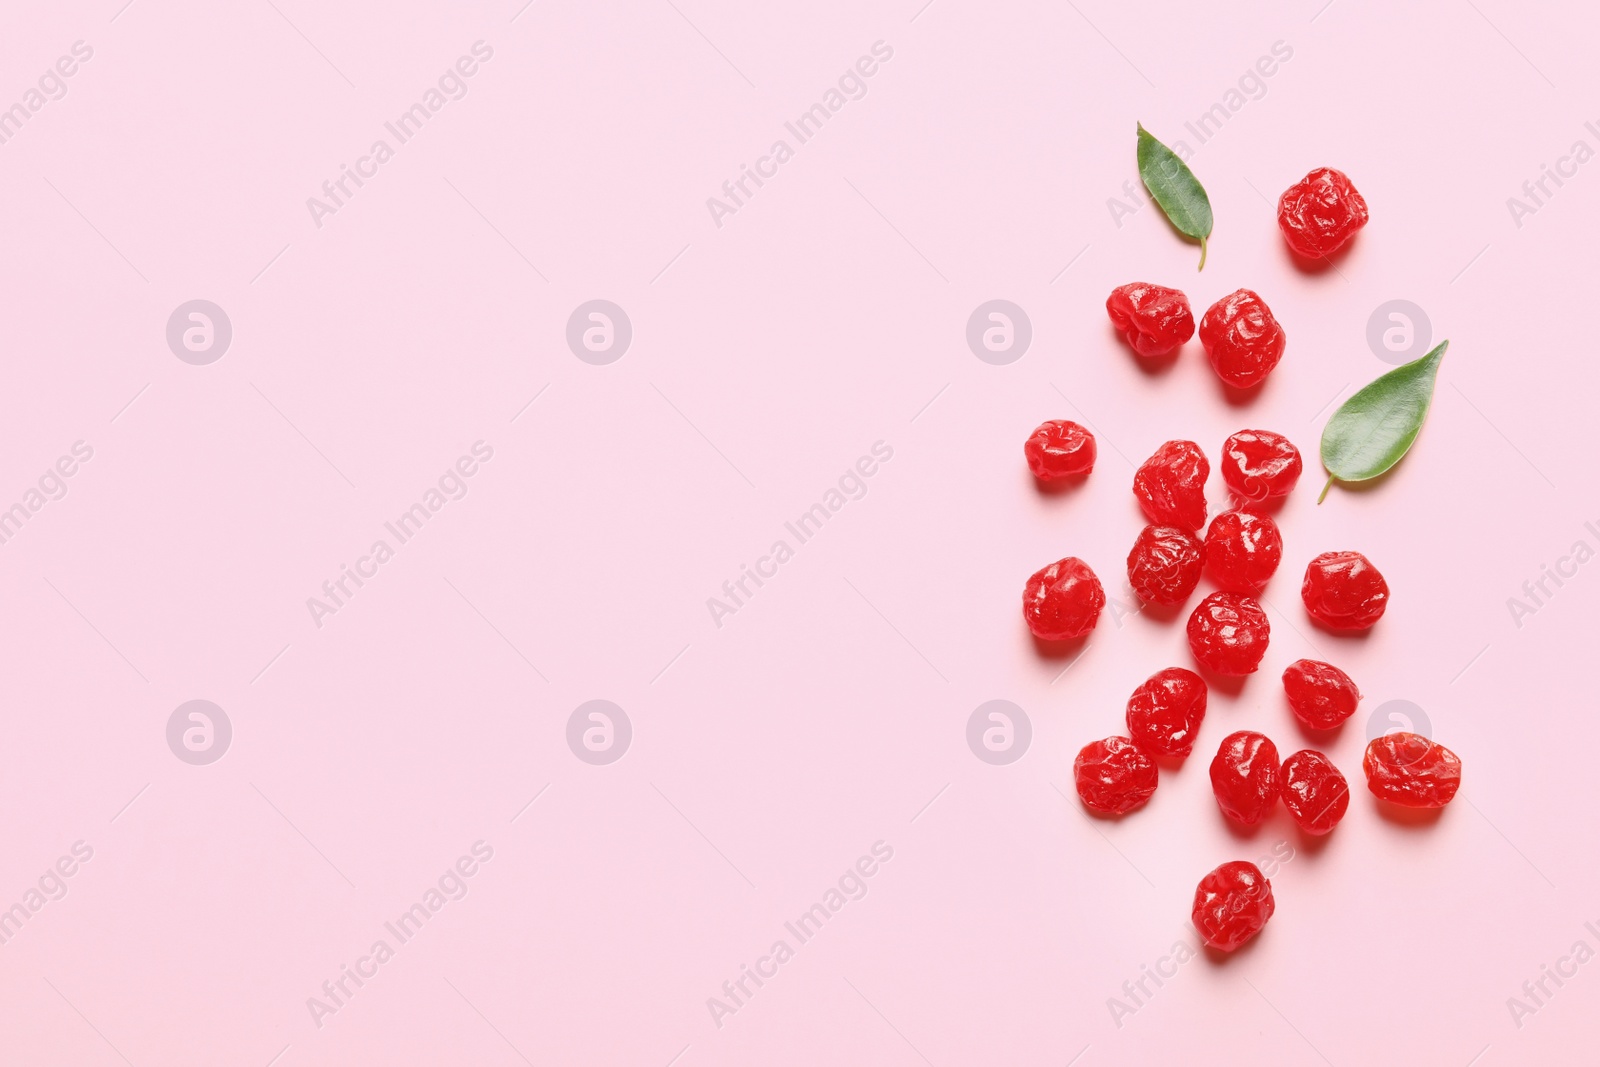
<point x="1325" y="487"/>
<point x="1202" y="265"/>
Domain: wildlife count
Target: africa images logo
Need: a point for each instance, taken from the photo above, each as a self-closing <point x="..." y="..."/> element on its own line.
<point x="851" y="885"/>
<point x="852" y="85"/>
<point x="451" y="485"/>
<point x="451" y="85"/>
<point x="452" y="885"/>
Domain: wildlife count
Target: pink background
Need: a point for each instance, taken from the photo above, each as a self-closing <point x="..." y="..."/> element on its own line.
<point x="768" y="354"/>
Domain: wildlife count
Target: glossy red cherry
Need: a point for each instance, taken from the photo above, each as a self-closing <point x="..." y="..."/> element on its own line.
<point x="1242" y="339"/>
<point x="1314" y="791"/>
<point x="1171" y="485"/>
<point x="1113" y="776"/>
<point x="1164" y="564"/>
<point x="1320" y="212"/>
<point x="1245" y="777"/>
<point x="1154" y="319"/>
<point x="1232" y="904"/>
<point x="1228" y="633"/>
<point x="1164" y="714"/>
<point x="1242" y="550"/>
<point x="1412" y="771"/>
<point x="1320" y="694"/>
<point x="1063" y="600"/>
<point x="1059" y="449"/>
<point x="1344" y="591"/>
<point x="1259" y="465"/>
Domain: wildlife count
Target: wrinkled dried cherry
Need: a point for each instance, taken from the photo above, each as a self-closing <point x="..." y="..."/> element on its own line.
<point x="1242" y="339"/>
<point x="1242" y="550"/>
<point x="1320" y="694"/>
<point x="1320" y="212"/>
<point x="1171" y="485"/>
<point x="1154" y="319"/>
<point x="1063" y="600"/>
<point x="1059" y="449"/>
<point x="1164" y="713"/>
<point x="1232" y="904"/>
<point x="1113" y="776"/>
<point x="1228" y="633"/>
<point x="1259" y="464"/>
<point x="1314" y="791"/>
<point x="1344" y="591"/>
<point x="1164" y="564"/>
<point x="1410" y="770"/>
<point x="1245" y="777"/>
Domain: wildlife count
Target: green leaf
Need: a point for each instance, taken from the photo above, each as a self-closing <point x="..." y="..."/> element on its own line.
<point x="1176" y="189"/>
<point x="1374" y="428"/>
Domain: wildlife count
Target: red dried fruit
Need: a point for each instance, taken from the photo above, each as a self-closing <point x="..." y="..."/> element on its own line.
<point x="1242" y="550"/>
<point x="1320" y="212"/>
<point x="1232" y="904"/>
<point x="1228" y="633"/>
<point x="1245" y="776"/>
<point x="1171" y="485"/>
<point x="1259" y="464"/>
<point x="1242" y="339"/>
<point x="1164" y="713"/>
<point x="1410" y="770"/>
<point x="1153" y="318"/>
<point x="1320" y="694"/>
<point x="1344" y="591"/>
<point x="1314" y="791"/>
<point x="1113" y="776"/>
<point x="1059" y="449"/>
<point x="1164" y="564"/>
<point x="1063" y="600"/>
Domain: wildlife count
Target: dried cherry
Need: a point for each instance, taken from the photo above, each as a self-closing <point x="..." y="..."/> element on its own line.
<point x="1243" y="550"/>
<point x="1314" y="791"/>
<point x="1320" y="212"/>
<point x="1412" y="771"/>
<point x="1259" y="464"/>
<point x="1164" y="713"/>
<point x="1113" y="776"/>
<point x="1063" y="600"/>
<point x="1154" y="319"/>
<point x="1344" y="591"/>
<point x="1228" y="633"/>
<point x="1164" y="564"/>
<point x="1059" y="449"/>
<point x="1171" y="485"/>
<point x="1320" y="694"/>
<point x="1245" y="776"/>
<point x="1232" y="904"/>
<point x="1242" y="339"/>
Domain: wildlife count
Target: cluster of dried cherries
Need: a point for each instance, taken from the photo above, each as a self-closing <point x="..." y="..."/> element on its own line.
<point x="1228" y="631"/>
